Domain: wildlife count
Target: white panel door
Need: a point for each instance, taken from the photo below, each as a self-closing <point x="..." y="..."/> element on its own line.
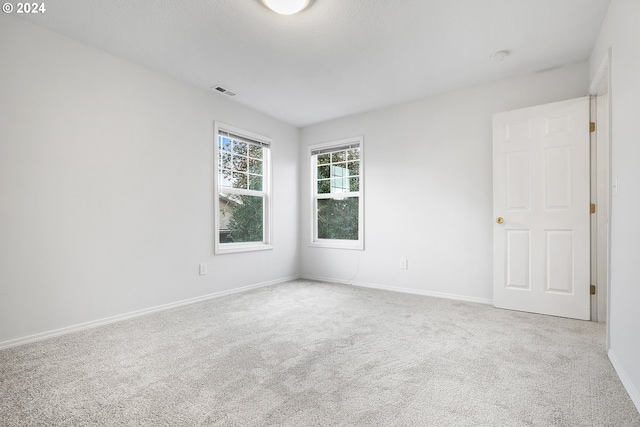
<point x="541" y="207"/>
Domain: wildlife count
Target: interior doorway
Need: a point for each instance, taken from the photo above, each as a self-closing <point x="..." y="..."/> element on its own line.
<point x="603" y="187"/>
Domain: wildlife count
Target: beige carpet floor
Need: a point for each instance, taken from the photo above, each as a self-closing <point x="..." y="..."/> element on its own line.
<point x="316" y="354"/>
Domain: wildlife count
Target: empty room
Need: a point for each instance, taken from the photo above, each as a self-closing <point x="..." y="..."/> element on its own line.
<point x="319" y="212"/>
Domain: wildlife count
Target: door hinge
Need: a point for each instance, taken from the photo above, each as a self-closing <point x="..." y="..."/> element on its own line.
<point x="592" y="126"/>
<point x="593" y="208"/>
<point x="593" y="289"/>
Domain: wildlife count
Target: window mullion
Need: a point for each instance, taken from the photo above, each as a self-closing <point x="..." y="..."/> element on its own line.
<point x="337" y="195"/>
<point x="241" y="191"/>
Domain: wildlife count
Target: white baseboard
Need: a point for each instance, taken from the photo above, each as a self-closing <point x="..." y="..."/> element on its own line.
<point x="402" y="290"/>
<point x="105" y="321"/>
<point x="633" y="392"/>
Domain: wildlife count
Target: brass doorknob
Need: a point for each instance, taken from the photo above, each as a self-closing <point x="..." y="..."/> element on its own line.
<point x="499" y="220"/>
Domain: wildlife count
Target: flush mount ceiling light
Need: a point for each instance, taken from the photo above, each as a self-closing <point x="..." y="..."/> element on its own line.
<point x="286" y="7"/>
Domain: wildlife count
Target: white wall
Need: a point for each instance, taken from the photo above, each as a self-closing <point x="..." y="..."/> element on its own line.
<point x="428" y="167"/>
<point x="621" y="33"/>
<point x="106" y="187"/>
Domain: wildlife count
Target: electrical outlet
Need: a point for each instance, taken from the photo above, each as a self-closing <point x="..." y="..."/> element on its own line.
<point x="404" y="264"/>
<point x="203" y="269"/>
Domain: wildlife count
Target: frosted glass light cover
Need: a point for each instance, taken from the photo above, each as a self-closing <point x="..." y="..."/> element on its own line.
<point x="286" y="7"/>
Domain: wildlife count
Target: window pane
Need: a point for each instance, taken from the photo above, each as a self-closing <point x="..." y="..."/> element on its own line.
<point x="239" y="180"/>
<point x="241" y="218"/>
<point x="354" y="184"/>
<point x="225" y="160"/>
<point x="240" y="147"/>
<point x="255" y="151"/>
<point x="338" y="185"/>
<point x="324" y="172"/>
<point x="224" y="178"/>
<point x="224" y="143"/>
<point x="240" y="163"/>
<point x="338" y="156"/>
<point x="353" y="154"/>
<point x="338" y="218"/>
<point x="354" y="168"/>
<point x="255" y="182"/>
<point x="255" y="166"/>
<point x="339" y="169"/>
<point x="323" y="159"/>
<point x="324" y="186"/>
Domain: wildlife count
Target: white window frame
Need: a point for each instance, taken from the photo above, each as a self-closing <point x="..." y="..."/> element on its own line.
<point x="266" y="244"/>
<point x="336" y="243"/>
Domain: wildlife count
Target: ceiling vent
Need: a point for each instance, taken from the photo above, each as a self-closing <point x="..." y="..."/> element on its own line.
<point x="223" y="90"/>
<point x="499" y="56"/>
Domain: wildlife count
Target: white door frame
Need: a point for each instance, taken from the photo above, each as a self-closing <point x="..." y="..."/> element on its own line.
<point x="600" y="89"/>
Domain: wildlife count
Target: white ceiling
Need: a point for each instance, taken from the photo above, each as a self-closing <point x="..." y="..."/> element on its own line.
<point x="337" y="57"/>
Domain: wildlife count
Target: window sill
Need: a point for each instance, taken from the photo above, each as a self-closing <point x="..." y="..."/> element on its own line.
<point x="232" y="248"/>
<point x="356" y="245"/>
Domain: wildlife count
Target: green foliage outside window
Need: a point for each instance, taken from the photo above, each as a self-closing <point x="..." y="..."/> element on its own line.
<point x="338" y="175"/>
<point x="245" y="223"/>
<point x="338" y="218"/>
<point x="241" y="168"/>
